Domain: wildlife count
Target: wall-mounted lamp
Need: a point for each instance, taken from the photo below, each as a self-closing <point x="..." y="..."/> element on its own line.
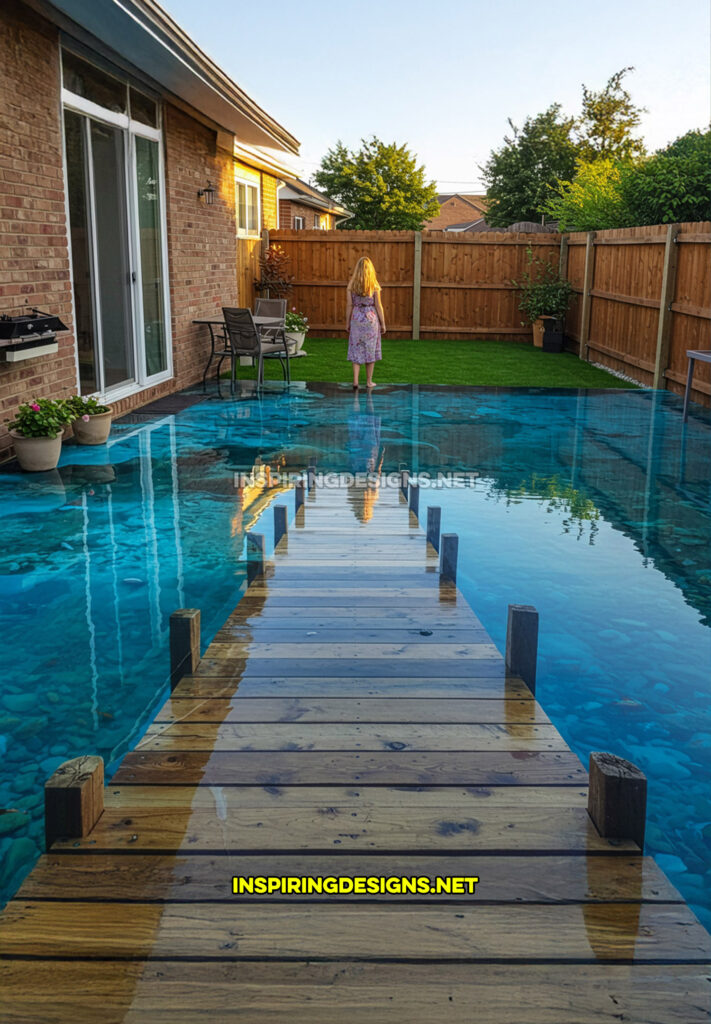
<point x="208" y="194"/>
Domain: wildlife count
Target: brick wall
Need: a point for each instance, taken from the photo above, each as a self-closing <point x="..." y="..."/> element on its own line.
<point x="34" y="257"/>
<point x="202" y="242"/>
<point x="453" y="211"/>
<point x="288" y="209"/>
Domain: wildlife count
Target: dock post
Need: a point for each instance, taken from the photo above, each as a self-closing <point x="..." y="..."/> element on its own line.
<point x="256" y="552"/>
<point x="299" y="495"/>
<point x="404" y="481"/>
<point x="617" y="798"/>
<point x="311" y="478"/>
<point x="522" y="643"/>
<point x="184" y="643"/>
<point x="449" y="546"/>
<point x="73" y="798"/>
<point x="434" y="521"/>
<point x="415" y="499"/>
<point x="280" y="523"/>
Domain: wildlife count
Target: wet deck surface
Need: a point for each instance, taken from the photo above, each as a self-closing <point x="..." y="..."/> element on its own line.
<point x="351" y="718"/>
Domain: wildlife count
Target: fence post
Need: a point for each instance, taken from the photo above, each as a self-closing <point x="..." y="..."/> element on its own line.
<point x="617" y="798"/>
<point x="404" y="481"/>
<point x="73" y="798"/>
<point x="256" y="550"/>
<point x="416" y="285"/>
<point x="184" y="643"/>
<point x="587" y="298"/>
<point x="563" y="262"/>
<point x="311" y="477"/>
<point x="522" y="643"/>
<point x="280" y="523"/>
<point x="299" y="495"/>
<point x="671" y="258"/>
<point x="434" y="519"/>
<point x="415" y="499"/>
<point x="449" y="546"/>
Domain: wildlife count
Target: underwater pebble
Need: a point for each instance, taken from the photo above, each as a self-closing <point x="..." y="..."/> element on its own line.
<point x="19" y="702"/>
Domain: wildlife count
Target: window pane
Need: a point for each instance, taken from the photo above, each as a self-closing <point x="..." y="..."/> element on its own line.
<point x="253" y="212"/>
<point x="83" y="79"/>
<point x="143" y="108"/>
<point x="81" y="248"/>
<point x="151" y="254"/>
<point x="107" y="148"/>
<point x="242" y="207"/>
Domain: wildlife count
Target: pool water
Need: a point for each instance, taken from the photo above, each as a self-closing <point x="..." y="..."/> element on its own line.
<point x="593" y="506"/>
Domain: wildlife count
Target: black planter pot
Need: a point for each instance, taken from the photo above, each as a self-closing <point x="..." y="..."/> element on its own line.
<point x="553" y="336"/>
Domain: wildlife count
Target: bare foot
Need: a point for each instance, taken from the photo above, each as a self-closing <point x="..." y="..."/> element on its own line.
<point x="370" y="384"/>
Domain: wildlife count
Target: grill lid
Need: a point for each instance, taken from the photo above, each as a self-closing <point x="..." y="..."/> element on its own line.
<point x="34" y="322"/>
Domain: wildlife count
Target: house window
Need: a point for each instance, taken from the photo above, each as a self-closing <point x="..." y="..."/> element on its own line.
<point x="116" y="200"/>
<point x="317" y="220"/>
<point x="247" y="208"/>
<point x="298" y="224"/>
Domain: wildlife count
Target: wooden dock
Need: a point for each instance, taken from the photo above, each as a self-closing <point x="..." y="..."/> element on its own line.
<point x="351" y="718"/>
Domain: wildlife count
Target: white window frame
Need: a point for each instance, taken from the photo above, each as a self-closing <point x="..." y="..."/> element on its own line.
<point x="131" y="128"/>
<point x="255" y="184"/>
<point x="301" y="226"/>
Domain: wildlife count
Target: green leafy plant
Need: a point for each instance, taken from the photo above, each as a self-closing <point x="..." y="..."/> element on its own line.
<point x="673" y="185"/>
<point x="79" y="406"/>
<point x="44" y="417"/>
<point x="592" y="200"/>
<point x="295" y="322"/>
<point x="543" y="291"/>
<point x="275" y="279"/>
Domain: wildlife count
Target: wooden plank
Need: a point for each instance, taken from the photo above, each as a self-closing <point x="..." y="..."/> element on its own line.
<point x="293" y="634"/>
<point x="344" y="709"/>
<point x="169" y="992"/>
<point x="621" y="933"/>
<point x="588" y="282"/>
<point x="483" y="687"/>
<point x="392" y="665"/>
<point x="353" y="651"/>
<point x="406" y="768"/>
<point x="416" y="283"/>
<point x="193" y="877"/>
<point x="629" y="300"/>
<point x="664" y="325"/>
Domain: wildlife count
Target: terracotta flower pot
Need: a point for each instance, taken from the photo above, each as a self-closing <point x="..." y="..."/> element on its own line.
<point x="94" y="430"/>
<point x="37" y="454"/>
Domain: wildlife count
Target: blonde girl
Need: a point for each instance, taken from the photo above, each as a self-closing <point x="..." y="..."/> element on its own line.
<point x="365" y="320"/>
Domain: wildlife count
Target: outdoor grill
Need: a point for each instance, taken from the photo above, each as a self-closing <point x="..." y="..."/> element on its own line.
<point x="29" y="335"/>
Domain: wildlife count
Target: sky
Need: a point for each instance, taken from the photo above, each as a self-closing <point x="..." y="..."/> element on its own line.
<point x="443" y="78"/>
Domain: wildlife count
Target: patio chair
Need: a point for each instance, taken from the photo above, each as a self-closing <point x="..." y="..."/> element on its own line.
<point x="276" y="309"/>
<point x="245" y="339"/>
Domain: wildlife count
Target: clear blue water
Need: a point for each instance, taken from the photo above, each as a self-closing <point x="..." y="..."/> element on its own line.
<point x="594" y="506"/>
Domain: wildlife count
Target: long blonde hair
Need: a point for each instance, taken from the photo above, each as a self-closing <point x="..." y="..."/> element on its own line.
<point x="363" y="280"/>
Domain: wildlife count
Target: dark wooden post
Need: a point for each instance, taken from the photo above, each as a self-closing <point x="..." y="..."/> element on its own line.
<point x="415" y="499"/>
<point x="256" y="550"/>
<point x="299" y="495"/>
<point x="434" y="520"/>
<point x="73" y="798"/>
<point x="280" y="523"/>
<point x="311" y="477"/>
<point x="617" y="798"/>
<point x="522" y="643"/>
<point x="416" y="285"/>
<point x="449" y="546"/>
<point x="404" y="481"/>
<point x="184" y="643"/>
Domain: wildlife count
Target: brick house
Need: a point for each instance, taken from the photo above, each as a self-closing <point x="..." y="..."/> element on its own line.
<point x="456" y="208"/>
<point x="302" y="206"/>
<point x="116" y="131"/>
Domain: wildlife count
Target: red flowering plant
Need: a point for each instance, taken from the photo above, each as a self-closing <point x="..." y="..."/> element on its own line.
<point x="275" y="280"/>
<point x="82" y="408"/>
<point x="44" y="417"/>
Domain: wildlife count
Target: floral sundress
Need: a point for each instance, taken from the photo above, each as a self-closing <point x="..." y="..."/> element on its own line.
<point x="364" y="336"/>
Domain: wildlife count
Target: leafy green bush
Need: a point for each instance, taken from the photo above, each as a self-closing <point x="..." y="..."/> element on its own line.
<point x="44" y="417"/>
<point x="79" y="406"/>
<point x="673" y="185"/>
<point x="543" y="291"/>
<point x="593" y="200"/>
<point x="295" y="322"/>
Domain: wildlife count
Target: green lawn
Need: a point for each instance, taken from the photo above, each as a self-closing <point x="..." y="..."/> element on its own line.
<point x="488" y="363"/>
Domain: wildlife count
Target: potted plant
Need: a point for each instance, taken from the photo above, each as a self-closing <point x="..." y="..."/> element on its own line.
<point x="36" y="433"/>
<point x="545" y="297"/>
<point x="91" y="421"/>
<point x="297" y="326"/>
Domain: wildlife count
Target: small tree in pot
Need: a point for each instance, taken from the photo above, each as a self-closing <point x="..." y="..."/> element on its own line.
<point x="275" y="282"/>
<point x="545" y="297"/>
<point x="36" y="433"/>
<point x="91" y="421"/>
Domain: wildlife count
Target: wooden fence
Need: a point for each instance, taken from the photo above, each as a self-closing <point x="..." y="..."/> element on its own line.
<point x="435" y="283"/>
<point x="642" y="295"/>
<point x="642" y="298"/>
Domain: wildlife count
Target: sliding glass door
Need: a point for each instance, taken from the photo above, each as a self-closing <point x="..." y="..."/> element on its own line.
<point x="117" y="235"/>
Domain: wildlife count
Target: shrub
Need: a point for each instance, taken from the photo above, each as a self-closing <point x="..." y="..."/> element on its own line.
<point x="543" y="291"/>
<point x="44" y="417"/>
<point x="78" y="405"/>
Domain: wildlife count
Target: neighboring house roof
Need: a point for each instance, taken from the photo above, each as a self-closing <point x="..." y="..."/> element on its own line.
<point x="527" y="227"/>
<point x="146" y="38"/>
<point x="301" y="192"/>
<point x="477" y="201"/>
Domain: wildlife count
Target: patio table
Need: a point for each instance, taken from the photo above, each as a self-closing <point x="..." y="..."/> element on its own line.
<point x="704" y="356"/>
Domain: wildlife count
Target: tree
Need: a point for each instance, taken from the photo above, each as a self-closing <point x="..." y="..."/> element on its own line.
<point x="520" y="175"/>
<point x="607" y="122"/>
<point x="672" y="186"/>
<point x="593" y="200"/>
<point x="380" y="184"/>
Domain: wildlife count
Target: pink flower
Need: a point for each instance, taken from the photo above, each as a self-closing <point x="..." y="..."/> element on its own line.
<point x="86" y="418"/>
<point x="293" y="309"/>
<point x="35" y="407"/>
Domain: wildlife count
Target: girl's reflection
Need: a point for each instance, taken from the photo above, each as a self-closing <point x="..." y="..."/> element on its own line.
<point x="366" y="457"/>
